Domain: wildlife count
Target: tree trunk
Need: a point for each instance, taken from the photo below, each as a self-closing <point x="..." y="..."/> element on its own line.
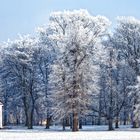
<point x="30" y="122"/>
<point x="99" y="120"/>
<point x="48" y="123"/>
<point x="117" y="120"/>
<point x="85" y="121"/>
<point x="5" y="117"/>
<point x="110" y="124"/>
<point x="25" y="110"/>
<point x="92" y="120"/>
<point x="30" y="118"/>
<point x="71" y="121"/>
<point x="99" y="116"/>
<point x="17" y="121"/>
<point x="135" y="124"/>
<point x="64" y="124"/>
<point x="124" y="118"/>
<point x="124" y="121"/>
<point x="117" y="123"/>
<point x="80" y="123"/>
<point x="110" y="118"/>
<point x="75" y="122"/>
<point x="67" y="121"/>
<point x="5" y="112"/>
<point x="26" y="120"/>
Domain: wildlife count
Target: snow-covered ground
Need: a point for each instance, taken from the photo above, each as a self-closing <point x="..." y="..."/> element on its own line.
<point x="56" y="133"/>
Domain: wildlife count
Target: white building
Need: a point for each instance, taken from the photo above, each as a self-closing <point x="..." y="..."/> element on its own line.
<point x="1" y="115"/>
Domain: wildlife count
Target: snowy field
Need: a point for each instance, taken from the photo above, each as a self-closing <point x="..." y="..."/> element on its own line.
<point x="88" y="133"/>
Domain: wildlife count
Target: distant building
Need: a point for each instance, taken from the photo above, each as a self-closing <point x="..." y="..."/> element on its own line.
<point x="1" y="105"/>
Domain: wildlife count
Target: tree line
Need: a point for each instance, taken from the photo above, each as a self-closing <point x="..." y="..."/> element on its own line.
<point x="72" y="69"/>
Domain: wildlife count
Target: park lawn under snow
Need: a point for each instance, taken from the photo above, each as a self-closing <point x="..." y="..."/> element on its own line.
<point x="56" y="133"/>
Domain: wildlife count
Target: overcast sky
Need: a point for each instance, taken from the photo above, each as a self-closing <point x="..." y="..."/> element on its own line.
<point x="23" y="16"/>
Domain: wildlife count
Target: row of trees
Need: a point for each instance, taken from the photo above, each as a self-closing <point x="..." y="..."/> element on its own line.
<point x="74" y="68"/>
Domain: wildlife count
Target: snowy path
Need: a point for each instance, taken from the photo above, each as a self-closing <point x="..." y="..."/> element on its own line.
<point x="41" y="134"/>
